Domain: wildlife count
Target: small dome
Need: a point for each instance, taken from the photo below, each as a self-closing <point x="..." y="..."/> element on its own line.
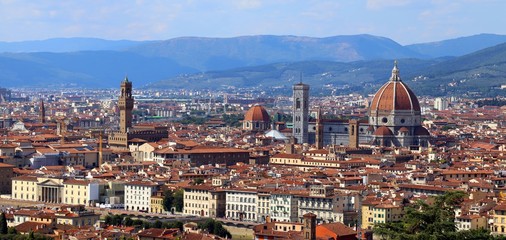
<point x="395" y="95"/>
<point x="383" y="131"/>
<point x="404" y="129"/>
<point x="421" y="131"/>
<point x="257" y="113"/>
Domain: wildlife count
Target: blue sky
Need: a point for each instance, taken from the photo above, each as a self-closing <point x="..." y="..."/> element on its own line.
<point x="405" y="21"/>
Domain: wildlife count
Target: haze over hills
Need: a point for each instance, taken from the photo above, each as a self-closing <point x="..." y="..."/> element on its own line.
<point x="351" y="63"/>
<point x="458" y="46"/>
<point x="59" y="45"/>
<point x="225" y="53"/>
<point x="92" y="69"/>
<point x="483" y="71"/>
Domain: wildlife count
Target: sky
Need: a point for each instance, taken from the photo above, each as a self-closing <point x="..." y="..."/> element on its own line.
<point x="404" y="21"/>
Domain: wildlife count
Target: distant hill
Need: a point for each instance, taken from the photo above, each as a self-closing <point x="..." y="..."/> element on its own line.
<point x="60" y="45"/>
<point x="95" y="69"/>
<point x="332" y="65"/>
<point x="481" y="72"/>
<point x="226" y="53"/>
<point x="458" y="46"/>
<point x="361" y="76"/>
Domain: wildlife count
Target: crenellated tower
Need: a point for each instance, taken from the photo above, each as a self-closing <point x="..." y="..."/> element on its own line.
<point x="125" y="104"/>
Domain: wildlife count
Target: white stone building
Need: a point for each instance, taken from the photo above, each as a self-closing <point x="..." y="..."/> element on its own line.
<point x="138" y="195"/>
<point x="241" y="205"/>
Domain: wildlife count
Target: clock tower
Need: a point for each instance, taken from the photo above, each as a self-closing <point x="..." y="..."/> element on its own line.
<point x="125" y="104"/>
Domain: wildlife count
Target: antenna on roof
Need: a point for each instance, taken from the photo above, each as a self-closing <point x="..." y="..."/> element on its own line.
<point x="300" y="77"/>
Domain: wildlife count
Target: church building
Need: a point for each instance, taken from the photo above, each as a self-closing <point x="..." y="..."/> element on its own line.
<point x="394" y="119"/>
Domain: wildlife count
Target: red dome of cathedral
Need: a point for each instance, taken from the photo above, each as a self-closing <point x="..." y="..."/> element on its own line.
<point x="383" y="131"/>
<point x="395" y="95"/>
<point x="257" y="113"/>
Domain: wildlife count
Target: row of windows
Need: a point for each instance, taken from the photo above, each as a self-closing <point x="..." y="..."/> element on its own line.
<point x="196" y="205"/>
<point x="239" y="207"/>
<point x="193" y="197"/>
<point x="241" y="199"/>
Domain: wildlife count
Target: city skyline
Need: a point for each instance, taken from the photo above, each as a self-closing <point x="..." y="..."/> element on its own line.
<point x="404" y="21"/>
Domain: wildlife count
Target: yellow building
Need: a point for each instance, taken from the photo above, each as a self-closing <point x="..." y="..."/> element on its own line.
<point x="499" y="224"/>
<point x="55" y="190"/>
<point x="77" y="216"/>
<point x="78" y="191"/>
<point x="196" y="200"/>
<point x="375" y="211"/>
<point x="204" y="200"/>
<point x="24" y="188"/>
<point x="157" y="203"/>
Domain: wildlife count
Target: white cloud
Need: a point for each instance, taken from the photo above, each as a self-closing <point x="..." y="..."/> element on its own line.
<point x="247" y="4"/>
<point x="381" y="4"/>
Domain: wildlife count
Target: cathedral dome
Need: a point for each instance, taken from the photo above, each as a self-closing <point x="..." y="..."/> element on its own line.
<point x="383" y="131"/>
<point x="257" y="113"/>
<point x="394" y="95"/>
<point x="421" y="131"/>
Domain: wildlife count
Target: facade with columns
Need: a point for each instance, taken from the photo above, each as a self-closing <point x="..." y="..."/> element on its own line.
<point x="55" y="190"/>
<point x="40" y="189"/>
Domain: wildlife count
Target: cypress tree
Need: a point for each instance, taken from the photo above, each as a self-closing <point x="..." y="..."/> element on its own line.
<point x="3" y="224"/>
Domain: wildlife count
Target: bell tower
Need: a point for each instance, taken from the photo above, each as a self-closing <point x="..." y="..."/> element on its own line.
<point x="309" y="230"/>
<point x="125" y="104"/>
<point x="300" y="112"/>
<point x="42" y="112"/>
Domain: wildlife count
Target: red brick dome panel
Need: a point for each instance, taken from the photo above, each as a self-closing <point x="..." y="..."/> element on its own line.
<point x="257" y="113"/>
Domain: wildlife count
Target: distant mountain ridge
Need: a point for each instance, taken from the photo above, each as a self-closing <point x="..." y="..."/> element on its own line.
<point x="225" y="53"/>
<point x="61" y="45"/>
<point x="354" y="61"/>
<point x="458" y="46"/>
<point x="480" y="72"/>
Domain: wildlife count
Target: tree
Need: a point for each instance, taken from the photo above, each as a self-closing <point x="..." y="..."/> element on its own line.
<point x="425" y="221"/>
<point x="31" y="236"/>
<point x="12" y="230"/>
<point x="221" y="231"/>
<point x="108" y="220"/>
<point x="3" y="224"/>
<point x="168" y="200"/>
<point x="146" y="224"/>
<point x="117" y="220"/>
<point x="176" y="224"/>
<point x="198" y="181"/>
<point x="214" y="227"/>
<point x="178" y="200"/>
<point x="137" y="222"/>
<point x="157" y="224"/>
<point x="128" y="221"/>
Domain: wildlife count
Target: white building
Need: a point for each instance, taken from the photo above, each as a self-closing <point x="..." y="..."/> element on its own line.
<point x="138" y="195"/>
<point x="284" y="207"/>
<point x="321" y="202"/>
<point x="242" y="205"/>
<point x="440" y="104"/>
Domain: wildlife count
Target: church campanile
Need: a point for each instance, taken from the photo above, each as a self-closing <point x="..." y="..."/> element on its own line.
<point x="300" y="112"/>
<point x="125" y="104"/>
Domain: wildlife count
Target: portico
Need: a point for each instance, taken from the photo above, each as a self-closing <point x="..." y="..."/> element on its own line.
<point x="50" y="191"/>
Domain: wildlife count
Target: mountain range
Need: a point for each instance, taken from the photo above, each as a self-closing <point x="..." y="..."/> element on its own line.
<point x="355" y="62"/>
